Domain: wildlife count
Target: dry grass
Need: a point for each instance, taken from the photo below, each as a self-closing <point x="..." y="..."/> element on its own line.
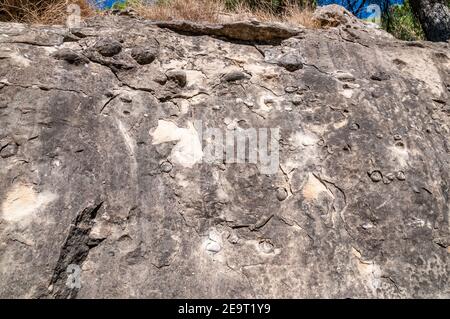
<point x="40" y="11"/>
<point x="216" y="11"/>
<point x="192" y="10"/>
<point x="55" y="11"/>
<point x="304" y="17"/>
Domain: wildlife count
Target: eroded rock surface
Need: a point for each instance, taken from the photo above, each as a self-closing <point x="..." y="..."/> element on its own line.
<point x="101" y="166"/>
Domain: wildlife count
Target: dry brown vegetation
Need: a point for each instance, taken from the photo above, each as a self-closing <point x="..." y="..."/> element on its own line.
<point x="40" y="11"/>
<point x="216" y="11"/>
<point x="55" y="11"/>
<point x="192" y="10"/>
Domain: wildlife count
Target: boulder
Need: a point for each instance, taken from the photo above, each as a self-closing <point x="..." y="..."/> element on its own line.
<point x="113" y="181"/>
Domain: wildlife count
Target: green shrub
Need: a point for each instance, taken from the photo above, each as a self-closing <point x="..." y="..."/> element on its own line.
<point x="401" y="23"/>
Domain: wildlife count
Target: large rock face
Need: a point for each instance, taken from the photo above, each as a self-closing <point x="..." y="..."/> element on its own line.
<point x="102" y="168"/>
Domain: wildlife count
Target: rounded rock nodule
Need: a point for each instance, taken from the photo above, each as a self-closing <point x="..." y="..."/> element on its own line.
<point x="144" y="56"/>
<point x="166" y="167"/>
<point x="376" y="176"/>
<point x="400" y="176"/>
<point x="290" y="62"/>
<point x="281" y="194"/>
<point x="9" y="150"/>
<point x="108" y="47"/>
<point x="235" y="76"/>
<point x="213" y="247"/>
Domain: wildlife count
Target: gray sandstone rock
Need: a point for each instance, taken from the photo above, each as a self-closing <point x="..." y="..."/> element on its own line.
<point x="108" y="47"/>
<point x="178" y="76"/>
<point x="102" y="174"/>
<point x="291" y="62"/>
<point x="144" y="55"/>
<point x="70" y="56"/>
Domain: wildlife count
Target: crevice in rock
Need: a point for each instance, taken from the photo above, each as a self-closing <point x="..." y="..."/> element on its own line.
<point x="74" y="251"/>
<point x="242" y="273"/>
<point x="350" y="40"/>
<point x="253" y="227"/>
<point x="108" y="102"/>
<point x="43" y="87"/>
<point x="392" y="281"/>
<point x="32" y="43"/>
<point x="315" y="67"/>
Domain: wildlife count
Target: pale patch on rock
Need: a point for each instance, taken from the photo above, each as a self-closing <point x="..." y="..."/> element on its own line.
<point x="340" y="124"/>
<point x="166" y="131"/>
<point x="23" y="202"/>
<point x="126" y="136"/>
<point x="16" y="58"/>
<point x="300" y="139"/>
<point x="314" y="188"/>
<point x="400" y="155"/>
<point x="101" y="230"/>
<point x="212" y="68"/>
<point x="348" y="93"/>
<point x="195" y="78"/>
<point x="420" y="65"/>
<point x="266" y="103"/>
<point x="213" y="244"/>
<point x="264" y="248"/>
<point x="368" y="270"/>
<point x="174" y="64"/>
<point x="50" y="50"/>
<point x="262" y="70"/>
<point x="188" y="151"/>
<point x="20" y="60"/>
<point x="184" y="106"/>
<point x="242" y="54"/>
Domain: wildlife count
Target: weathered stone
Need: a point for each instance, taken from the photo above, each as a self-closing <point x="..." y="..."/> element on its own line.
<point x="291" y="62"/>
<point x="400" y="176"/>
<point x="344" y="76"/>
<point x="126" y="99"/>
<point x="243" y="31"/>
<point x="9" y="149"/>
<point x="376" y="176"/>
<point x="108" y="47"/>
<point x="282" y="194"/>
<point x="380" y="76"/>
<point x="178" y="76"/>
<point x="290" y="89"/>
<point x="334" y="15"/>
<point x="123" y="189"/>
<point x="144" y="56"/>
<point x="166" y="167"/>
<point x="235" y="76"/>
<point x="70" y="56"/>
